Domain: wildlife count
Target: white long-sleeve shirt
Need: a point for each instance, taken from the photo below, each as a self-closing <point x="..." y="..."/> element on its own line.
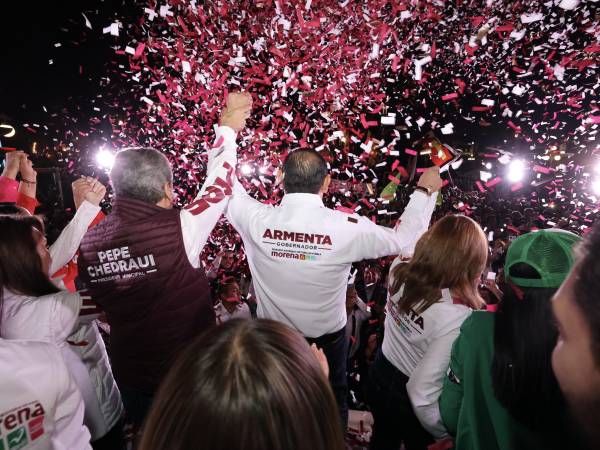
<point x="200" y="217"/>
<point x="300" y="253"/>
<point x="420" y="346"/>
<point x="66" y="245"/>
<point x="40" y="405"/>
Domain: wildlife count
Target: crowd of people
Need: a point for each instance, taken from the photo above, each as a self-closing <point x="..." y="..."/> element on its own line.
<point x="118" y="335"/>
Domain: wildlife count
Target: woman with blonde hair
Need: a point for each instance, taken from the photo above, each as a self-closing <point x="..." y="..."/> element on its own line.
<point x="428" y="299"/>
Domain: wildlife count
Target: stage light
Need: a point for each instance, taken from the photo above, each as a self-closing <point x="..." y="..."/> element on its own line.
<point x="246" y="169"/>
<point x="488" y="166"/>
<point x="105" y="159"/>
<point x="516" y="171"/>
<point x="596" y="186"/>
<point x="11" y="130"/>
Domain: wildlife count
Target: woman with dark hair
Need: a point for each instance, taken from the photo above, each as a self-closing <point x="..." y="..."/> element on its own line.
<point x="245" y="385"/>
<point x="429" y="298"/>
<point x="500" y="392"/>
<point x="32" y="307"/>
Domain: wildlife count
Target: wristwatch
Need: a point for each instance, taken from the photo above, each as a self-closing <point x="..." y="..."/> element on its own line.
<point x="423" y="189"/>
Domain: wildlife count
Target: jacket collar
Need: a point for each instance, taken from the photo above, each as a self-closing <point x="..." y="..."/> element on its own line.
<point x="302" y="199"/>
<point x="131" y="208"/>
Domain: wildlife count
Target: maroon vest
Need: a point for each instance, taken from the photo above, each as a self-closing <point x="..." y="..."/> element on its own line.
<point x="135" y="266"/>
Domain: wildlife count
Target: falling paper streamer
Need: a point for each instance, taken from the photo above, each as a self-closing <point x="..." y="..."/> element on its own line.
<point x="87" y="21"/>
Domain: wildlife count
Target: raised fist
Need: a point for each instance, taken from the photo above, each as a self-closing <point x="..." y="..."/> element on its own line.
<point x="237" y="111"/>
<point x="88" y="188"/>
<point x="431" y="180"/>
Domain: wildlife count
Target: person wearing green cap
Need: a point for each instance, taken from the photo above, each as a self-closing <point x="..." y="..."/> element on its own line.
<point x="500" y="391"/>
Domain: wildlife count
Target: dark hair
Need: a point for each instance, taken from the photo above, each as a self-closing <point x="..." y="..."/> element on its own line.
<point x="524" y="337"/>
<point x="247" y="384"/>
<point x="304" y="171"/>
<point x="587" y="286"/>
<point x="21" y="269"/>
<point x="10" y="208"/>
<point x="451" y="254"/>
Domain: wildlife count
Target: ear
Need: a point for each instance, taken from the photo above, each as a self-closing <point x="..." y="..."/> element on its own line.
<point x="279" y="176"/>
<point x="325" y="185"/>
<point x="168" y="187"/>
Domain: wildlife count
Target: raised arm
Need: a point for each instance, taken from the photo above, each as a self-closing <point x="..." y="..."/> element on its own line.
<point x="200" y="217"/>
<point x="87" y="193"/>
<point x="375" y="241"/>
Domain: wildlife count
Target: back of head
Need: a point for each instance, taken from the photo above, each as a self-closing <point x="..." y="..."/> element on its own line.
<point x="141" y="174"/>
<point x="525" y="333"/>
<point x="21" y="269"/>
<point x="9" y="208"/>
<point x="252" y="385"/>
<point x="451" y="255"/>
<point x="304" y="172"/>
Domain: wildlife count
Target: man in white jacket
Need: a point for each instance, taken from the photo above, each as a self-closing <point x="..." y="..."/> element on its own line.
<point x="300" y="253"/>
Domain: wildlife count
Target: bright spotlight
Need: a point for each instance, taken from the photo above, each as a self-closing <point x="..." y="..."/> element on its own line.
<point x="596" y="186"/>
<point x="516" y="171"/>
<point x="597" y="168"/>
<point x="246" y="169"/>
<point x="105" y="159"/>
<point x="488" y="166"/>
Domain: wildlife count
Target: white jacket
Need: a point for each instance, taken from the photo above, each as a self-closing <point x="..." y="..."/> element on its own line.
<point x="300" y="253"/>
<point x="40" y="405"/>
<point x="420" y="346"/>
<point x="54" y="318"/>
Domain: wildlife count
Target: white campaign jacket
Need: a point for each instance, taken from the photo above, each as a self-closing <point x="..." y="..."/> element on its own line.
<point x="420" y="346"/>
<point x="40" y="405"/>
<point x="54" y="318"/>
<point x="300" y="253"/>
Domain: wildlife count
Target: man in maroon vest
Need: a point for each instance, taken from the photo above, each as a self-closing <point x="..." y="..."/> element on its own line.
<point x="142" y="263"/>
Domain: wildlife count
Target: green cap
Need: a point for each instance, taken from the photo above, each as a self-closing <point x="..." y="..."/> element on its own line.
<point x="549" y="252"/>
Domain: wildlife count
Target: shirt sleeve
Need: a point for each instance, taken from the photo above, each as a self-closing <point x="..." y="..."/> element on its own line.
<point x="241" y="207"/>
<point x="65" y="247"/>
<point x="200" y="217"/>
<point x="9" y="190"/>
<point x="425" y="384"/>
<point x="375" y="241"/>
<point x="452" y="392"/>
<point x="69" y="430"/>
<point x="66" y="308"/>
<point x="27" y="202"/>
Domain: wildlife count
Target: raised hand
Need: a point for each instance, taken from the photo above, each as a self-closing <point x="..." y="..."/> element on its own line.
<point x="237" y="111"/>
<point x="13" y="164"/>
<point x="96" y="193"/>
<point x="80" y="189"/>
<point x="88" y="188"/>
<point x="318" y="352"/>
<point x="28" y="173"/>
<point x="431" y="180"/>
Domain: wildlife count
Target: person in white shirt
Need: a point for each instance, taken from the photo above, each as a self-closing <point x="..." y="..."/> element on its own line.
<point x="429" y="298"/>
<point x="230" y="304"/>
<point x="40" y="405"/>
<point x="300" y="253"/>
